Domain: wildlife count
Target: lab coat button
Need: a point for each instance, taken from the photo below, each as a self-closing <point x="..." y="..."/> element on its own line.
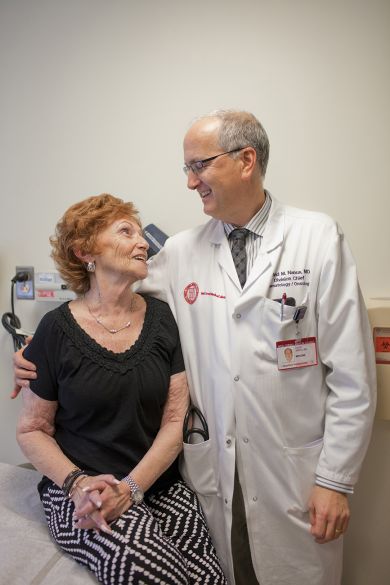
<point x="228" y="442"/>
<point x="236" y="378"/>
<point x="226" y="500"/>
<point x="254" y="498"/>
<point x="238" y="315"/>
<point x="246" y="440"/>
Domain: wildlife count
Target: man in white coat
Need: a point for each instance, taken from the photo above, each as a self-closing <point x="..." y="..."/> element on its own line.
<point x="287" y="436"/>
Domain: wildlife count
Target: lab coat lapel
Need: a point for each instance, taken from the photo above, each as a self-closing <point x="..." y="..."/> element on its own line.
<point x="267" y="259"/>
<point x="271" y="248"/>
<point x="223" y="254"/>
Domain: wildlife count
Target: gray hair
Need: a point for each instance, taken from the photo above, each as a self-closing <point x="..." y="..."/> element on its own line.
<point x="240" y="129"/>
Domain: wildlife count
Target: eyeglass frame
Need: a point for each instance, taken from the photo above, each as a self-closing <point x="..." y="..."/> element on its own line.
<point x="196" y="170"/>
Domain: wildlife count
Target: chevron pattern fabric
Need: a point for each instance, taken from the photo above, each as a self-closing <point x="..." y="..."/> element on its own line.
<point x="163" y="541"/>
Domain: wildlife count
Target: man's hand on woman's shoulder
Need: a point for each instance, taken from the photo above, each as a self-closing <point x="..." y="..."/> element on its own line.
<point x="24" y="371"/>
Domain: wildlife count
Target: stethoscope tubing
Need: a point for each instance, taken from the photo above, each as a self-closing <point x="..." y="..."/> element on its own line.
<point x="203" y="432"/>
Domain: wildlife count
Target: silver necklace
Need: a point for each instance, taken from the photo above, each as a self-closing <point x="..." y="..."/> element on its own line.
<point x="100" y="322"/>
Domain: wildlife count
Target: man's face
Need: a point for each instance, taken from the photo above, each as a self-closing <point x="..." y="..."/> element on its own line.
<point x="219" y="182"/>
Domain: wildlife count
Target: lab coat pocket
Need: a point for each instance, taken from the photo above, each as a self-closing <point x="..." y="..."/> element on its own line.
<point x="276" y="322"/>
<point x="301" y="467"/>
<point x="198" y="469"/>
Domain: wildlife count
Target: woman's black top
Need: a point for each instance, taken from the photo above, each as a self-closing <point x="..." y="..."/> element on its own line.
<point x="110" y="405"/>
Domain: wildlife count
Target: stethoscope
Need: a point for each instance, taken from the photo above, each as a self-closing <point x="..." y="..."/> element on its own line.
<point x="188" y="432"/>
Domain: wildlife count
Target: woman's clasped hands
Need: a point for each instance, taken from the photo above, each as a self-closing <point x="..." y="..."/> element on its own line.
<point x="99" y="500"/>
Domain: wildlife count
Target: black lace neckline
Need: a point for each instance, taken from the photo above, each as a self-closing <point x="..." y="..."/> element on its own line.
<point x="120" y="362"/>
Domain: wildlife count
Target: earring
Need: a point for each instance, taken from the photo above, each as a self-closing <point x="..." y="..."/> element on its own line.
<point x="91" y="266"/>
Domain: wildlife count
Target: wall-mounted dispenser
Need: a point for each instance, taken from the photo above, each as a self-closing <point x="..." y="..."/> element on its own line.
<point x="49" y="286"/>
<point x="379" y="315"/>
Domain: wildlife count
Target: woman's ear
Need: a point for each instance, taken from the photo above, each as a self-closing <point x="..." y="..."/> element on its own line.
<point x="83" y="257"/>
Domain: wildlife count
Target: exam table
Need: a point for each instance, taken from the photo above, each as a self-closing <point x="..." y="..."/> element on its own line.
<point x="28" y="556"/>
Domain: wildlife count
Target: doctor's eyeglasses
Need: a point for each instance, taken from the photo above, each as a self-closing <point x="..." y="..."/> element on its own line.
<point x="197" y="166"/>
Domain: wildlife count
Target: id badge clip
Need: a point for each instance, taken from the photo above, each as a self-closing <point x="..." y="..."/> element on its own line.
<point x="299" y="314"/>
<point x="299" y="352"/>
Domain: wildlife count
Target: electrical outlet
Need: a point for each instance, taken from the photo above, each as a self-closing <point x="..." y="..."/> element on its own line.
<point x="25" y="286"/>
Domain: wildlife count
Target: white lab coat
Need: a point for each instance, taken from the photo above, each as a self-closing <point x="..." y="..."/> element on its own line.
<point x="284" y="425"/>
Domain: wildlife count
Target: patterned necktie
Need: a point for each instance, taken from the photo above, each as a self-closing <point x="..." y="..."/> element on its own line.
<point x="238" y="237"/>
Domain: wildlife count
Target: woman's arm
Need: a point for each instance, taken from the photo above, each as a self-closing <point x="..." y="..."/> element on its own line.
<point x="35" y="435"/>
<point x="169" y="440"/>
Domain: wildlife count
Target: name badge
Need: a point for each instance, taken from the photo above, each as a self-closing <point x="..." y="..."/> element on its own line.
<point x="296" y="353"/>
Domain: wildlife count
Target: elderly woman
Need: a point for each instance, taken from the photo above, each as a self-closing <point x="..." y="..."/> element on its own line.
<point x="103" y="420"/>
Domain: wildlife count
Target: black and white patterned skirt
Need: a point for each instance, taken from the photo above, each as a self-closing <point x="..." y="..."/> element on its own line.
<point x="163" y="541"/>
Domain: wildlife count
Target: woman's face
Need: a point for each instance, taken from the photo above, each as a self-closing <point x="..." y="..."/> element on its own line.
<point x="122" y="250"/>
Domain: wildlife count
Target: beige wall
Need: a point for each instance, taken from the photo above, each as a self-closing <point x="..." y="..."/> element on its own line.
<point x="96" y="95"/>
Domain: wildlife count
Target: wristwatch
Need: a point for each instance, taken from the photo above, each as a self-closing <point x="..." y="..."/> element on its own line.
<point x="136" y="495"/>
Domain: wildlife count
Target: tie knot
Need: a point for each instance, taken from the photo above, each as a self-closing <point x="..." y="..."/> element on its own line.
<point x="238" y="234"/>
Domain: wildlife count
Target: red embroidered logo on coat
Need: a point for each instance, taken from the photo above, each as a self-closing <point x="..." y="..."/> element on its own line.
<point x="191" y="292"/>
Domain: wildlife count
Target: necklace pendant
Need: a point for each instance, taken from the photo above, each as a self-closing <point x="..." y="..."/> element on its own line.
<point x="100" y="322"/>
<point x="112" y="331"/>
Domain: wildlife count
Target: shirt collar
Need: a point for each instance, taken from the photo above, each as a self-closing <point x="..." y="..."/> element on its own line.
<point x="257" y="223"/>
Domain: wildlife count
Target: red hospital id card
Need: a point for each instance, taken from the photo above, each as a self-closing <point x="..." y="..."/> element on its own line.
<point x="296" y="353"/>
